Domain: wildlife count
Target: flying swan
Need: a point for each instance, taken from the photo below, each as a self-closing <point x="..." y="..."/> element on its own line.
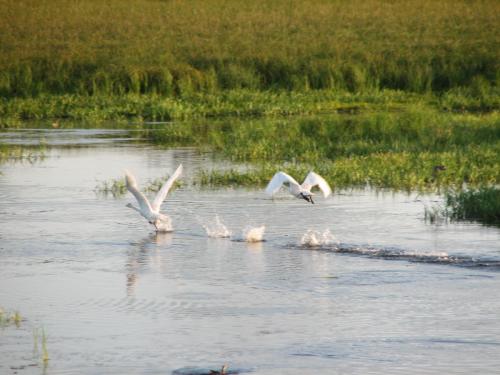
<point x="151" y="212"/>
<point x="299" y="191"/>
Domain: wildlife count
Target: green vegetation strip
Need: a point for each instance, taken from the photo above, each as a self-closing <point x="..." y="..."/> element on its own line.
<point x="383" y="150"/>
<point x="233" y="103"/>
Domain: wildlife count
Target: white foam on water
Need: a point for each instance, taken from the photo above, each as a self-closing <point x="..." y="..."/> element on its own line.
<point x="164" y="226"/>
<point x="254" y="234"/>
<point x="217" y="229"/>
<point x="314" y="238"/>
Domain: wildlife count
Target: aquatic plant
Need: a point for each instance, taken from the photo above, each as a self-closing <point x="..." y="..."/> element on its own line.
<point x="481" y="204"/>
<point x="22" y="154"/>
<point x="155" y="185"/>
<point x="45" y="352"/>
<point x="115" y="187"/>
<point x="40" y="340"/>
<point x="10" y="318"/>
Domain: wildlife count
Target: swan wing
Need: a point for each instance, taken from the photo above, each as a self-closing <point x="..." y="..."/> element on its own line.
<point x="279" y="179"/>
<point x="131" y="183"/>
<point x="162" y="194"/>
<point x="314" y="179"/>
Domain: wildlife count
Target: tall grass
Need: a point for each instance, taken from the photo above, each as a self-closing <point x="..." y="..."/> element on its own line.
<point x="395" y="150"/>
<point x="479" y="204"/>
<point x="177" y="47"/>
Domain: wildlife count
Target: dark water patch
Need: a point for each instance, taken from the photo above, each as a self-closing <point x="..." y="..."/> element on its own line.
<point x="223" y="370"/>
<point x="410" y="256"/>
<point x="464" y="342"/>
<point x="73" y="137"/>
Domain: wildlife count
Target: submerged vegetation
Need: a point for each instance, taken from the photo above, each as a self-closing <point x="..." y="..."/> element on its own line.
<point x="118" y="188"/>
<point x="480" y="204"/>
<point x="10" y="318"/>
<point x="15" y="153"/>
<point x="114" y="187"/>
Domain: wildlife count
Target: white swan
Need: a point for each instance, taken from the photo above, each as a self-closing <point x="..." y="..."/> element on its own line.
<point x="151" y="212"/>
<point x="299" y="191"/>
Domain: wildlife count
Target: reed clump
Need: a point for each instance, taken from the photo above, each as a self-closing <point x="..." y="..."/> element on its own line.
<point x="177" y="48"/>
<point x="481" y="204"/>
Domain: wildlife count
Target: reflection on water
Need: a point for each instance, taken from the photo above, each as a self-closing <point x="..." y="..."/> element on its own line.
<point x="114" y="296"/>
<point x="146" y="253"/>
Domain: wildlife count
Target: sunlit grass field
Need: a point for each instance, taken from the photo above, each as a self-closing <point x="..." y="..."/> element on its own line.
<point x="178" y="48"/>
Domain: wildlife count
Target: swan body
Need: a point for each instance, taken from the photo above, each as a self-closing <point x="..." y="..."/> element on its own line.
<point x="151" y="211"/>
<point x="301" y="191"/>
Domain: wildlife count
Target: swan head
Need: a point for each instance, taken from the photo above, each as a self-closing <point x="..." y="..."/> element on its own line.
<point x="307" y="197"/>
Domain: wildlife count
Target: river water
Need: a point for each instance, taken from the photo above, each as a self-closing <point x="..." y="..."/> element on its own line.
<point x="357" y="283"/>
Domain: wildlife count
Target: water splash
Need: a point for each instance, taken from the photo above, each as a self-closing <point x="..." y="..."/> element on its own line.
<point x="313" y="238"/>
<point x="164" y="225"/>
<point x="254" y="234"/>
<point x="217" y="229"/>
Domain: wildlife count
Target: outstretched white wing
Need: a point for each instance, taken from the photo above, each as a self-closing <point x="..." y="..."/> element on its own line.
<point x="279" y="179"/>
<point x="314" y="179"/>
<point x="141" y="199"/>
<point x="162" y="194"/>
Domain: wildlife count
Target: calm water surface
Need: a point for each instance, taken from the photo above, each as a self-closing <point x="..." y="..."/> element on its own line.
<point x="395" y="295"/>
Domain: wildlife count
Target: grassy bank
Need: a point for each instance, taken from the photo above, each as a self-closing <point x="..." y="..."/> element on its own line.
<point x="180" y="48"/>
<point x="234" y="103"/>
<point x="387" y="150"/>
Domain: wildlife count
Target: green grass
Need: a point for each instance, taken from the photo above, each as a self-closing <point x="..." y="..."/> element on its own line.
<point x="477" y="204"/>
<point x="231" y="103"/>
<point x="384" y="150"/>
<point x="179" y="48"/>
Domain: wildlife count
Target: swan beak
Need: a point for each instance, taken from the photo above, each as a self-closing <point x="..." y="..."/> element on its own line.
<point x="307" y="198"/>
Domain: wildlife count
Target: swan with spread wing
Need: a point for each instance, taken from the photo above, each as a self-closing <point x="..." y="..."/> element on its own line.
<point x="151" y="211"/>
<point x="301" y="191"/>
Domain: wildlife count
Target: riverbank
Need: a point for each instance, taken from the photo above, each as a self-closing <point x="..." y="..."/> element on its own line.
<point x="236" y="103"/>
